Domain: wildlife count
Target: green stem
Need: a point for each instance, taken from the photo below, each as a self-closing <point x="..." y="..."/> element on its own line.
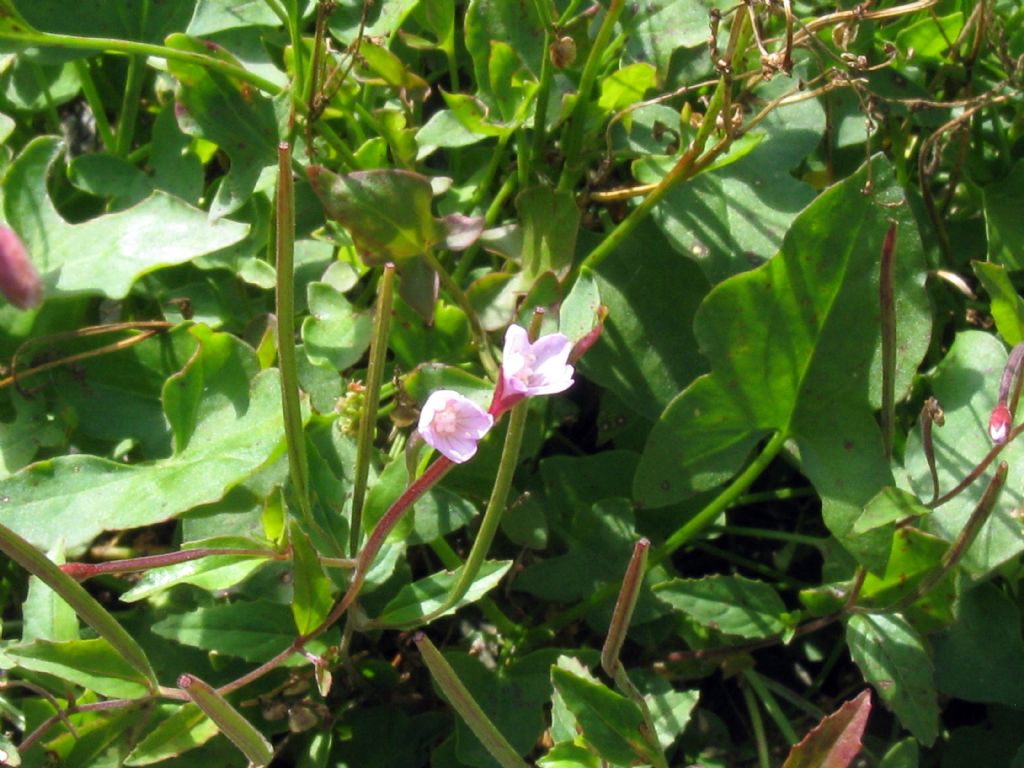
<point x="285" y="309"/>
<point x="763" y="758"/>
<point x="771" y="706"/>
<point x="572" y="143"/>
<point x="765" y="533"/>
<point x="371" y="401"/>
<point x="465" y="705"/>
<point x="450" y="560"/>
<point x="491" y="170"/>
<point x="492" y="516"/>
<point x="92" y="96"/>
<point x="540" y="116"/>
<point x="293" y="20"/>
<point x="130" y="106"/>
<point x="725" y="499"/>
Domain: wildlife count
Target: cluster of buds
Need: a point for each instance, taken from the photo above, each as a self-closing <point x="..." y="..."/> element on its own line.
<point x="453" y="424"/>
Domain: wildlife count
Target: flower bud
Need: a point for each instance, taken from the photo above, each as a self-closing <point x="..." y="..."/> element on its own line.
<point x="19" y="281"/>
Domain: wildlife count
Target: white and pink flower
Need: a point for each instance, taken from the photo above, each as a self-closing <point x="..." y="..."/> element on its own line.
<point x="453" y="424"/>
<point x="533" y="368"/>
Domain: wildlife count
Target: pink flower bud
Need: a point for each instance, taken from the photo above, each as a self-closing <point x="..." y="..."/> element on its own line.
<point x="453" y="424"/>
<point x="19" y="281"/>
<point x="999" y="423"/>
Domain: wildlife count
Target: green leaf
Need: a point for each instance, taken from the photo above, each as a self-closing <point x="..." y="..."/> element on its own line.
<point x="92" y="664"/>
<point x="472" y="114"/>
<point x="569" y="755"/>
<point x="889" y="506"/>
<point x="234" y="116"/>
<point x="914" y="554"/>
<point x="84" y="604"/>
<point x="46" y="614"/>
<point x="1006" y="306"/>
<point x="430" y="376"/>
<point x="730" y="604"/>
<point x="736" y="216"/>
<point x="550" y="222"/>
<point x="311" y="589"/>
<point x="647" y="351"/>
<point x="655" y="31"/>
<point x="891" y="655"/>
<point x="626" y="86"/>
<point x="187" y="728"/>
<point x="212" y="573"/>
<point x="903" y="754"/>
<point x="489" y="21"/>
<point x="106" y="254"/>
<point x="1003" y="201"/>
<point x="251" y="630"/>
<point x="794" y="348"/>
<point x="966" y="384"/>
<point x="334" y="333"/>
<point x="836" y="740"/>
<point x="929" y="38"/>
<point x="387" y="212"/>
<point x="32" y="428"/>
<point x="106" y="18"/>
<point x="238" y="432"/>
<point x="612" y="724"/>
<point x="420" y="598"/>
<point x="243" y="735"/>
<point x="216" y="15"/>
<point x="981" y="657"/>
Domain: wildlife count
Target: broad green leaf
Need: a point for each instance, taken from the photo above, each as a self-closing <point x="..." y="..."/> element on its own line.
<point x="730" y="604"/>
<point x="107" y="254"/>
<point x="32" y="428"/>
<point x="211" y="573"/>
<point x="914" y="554"/>
<point x="46" y="615"/>
<point x="836" y="740"/>
<point x="794" y="348"/>
<point x="736" y="217"/>
<point x="387" y="212"/>
<point x="92" y="664"/>
<point x="517" y="26"/>
<point x="892" y="657"/>
<point x="422" y="597"/>
<point x="966" y="384"/>
<point x="1003" y="224"/>
<point x="610" y="723"/>
<point x="1006" y="306"/>
<point x="904" y="754"/>
<point x="334" y="333"/>
<point x="107" y="176"/>
<point x="311" y="589"/>
<point x="444" y="129"/>
<point x="8" y="752"/>
<point x="580" y="311"/>
<point x="930" y="37"/>
<point x="187" y="728"/>
<point x="981" y="657"/>
<point x="569" y="755"/>
<point x="216" y="15"/>
<point x="494" y="298"/>
<point x="626" y="86"/>
<point x="238" y="432"/>
<point x="550" y="222"/>
<point x="382" y="20"/>
<point x="234" y="116"/>
<point x="473" y="115"/>
<point x="889" y="506"/>
<point x="253" y="631"/>
<point x="656" y="30"/>
<point x="106" y="18"/>
<point x="229" y="720"/>
<point x="84" y="604"/>
<point x="647" y="351"/>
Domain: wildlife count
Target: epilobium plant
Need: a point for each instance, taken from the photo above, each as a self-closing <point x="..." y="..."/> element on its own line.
<point x="210" y="415"/>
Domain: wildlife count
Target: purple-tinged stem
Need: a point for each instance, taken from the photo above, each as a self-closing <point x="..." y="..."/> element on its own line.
<point x="931" y="414"/>
<point x="83" y="571"/>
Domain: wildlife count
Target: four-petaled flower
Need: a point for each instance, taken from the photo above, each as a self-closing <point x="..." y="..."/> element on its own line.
<point x="453" y="424"/>
<point x="532" y="368"/>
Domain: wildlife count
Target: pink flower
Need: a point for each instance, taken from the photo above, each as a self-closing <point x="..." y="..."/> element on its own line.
<point x="19" y="281"/>
<point x="453" y="424"/>
<point x="533" y="368"/>
<point x="999" y="423"/>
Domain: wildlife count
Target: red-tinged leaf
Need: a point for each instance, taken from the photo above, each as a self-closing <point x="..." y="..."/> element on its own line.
<point x="835" y="741"/>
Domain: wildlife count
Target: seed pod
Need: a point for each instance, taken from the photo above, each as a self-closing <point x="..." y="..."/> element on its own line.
<point x="19" y="281"/>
